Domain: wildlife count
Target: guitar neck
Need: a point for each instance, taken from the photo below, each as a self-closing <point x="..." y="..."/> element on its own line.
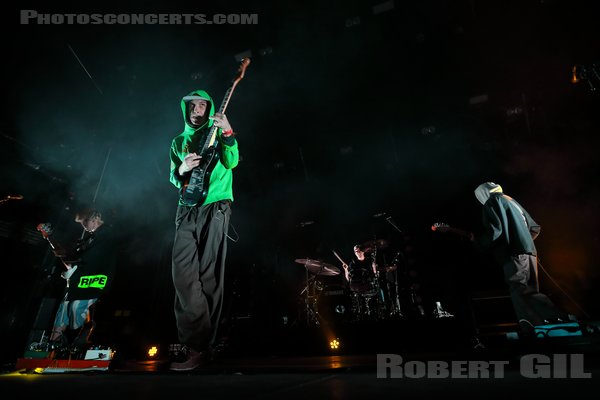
<point x="51" y="243"/>
<point x="445" y="228"/>
<point x="210" y="140"/>
<point x="460" y="232"/>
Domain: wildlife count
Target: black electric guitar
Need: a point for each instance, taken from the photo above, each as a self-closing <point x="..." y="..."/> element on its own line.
<point x="67" y="259"/>
<point x="442" y="227"/>
<point x="195" y="188"/>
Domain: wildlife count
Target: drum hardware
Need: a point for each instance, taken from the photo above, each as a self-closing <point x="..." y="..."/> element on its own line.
<point x="395" y="310"/>
<point x="439" y="312"/>
<point x="380" y="299"/>
<point x="364" y="290"/>
<point x="368" y="306"/>
<point x="317" y="268"/>
<point x="388" y="268"/>
<point x="396" y="304"/>
<point x="334" y="304"/>
<point x="312" y="316"/>
<point x="368" y="299"/>
<point x="390" y="220"/>
<point x="333" y="291"/>
<point x="415" y="301"/>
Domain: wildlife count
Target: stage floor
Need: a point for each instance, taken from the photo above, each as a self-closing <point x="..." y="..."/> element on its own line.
<point x="564" y="367"/>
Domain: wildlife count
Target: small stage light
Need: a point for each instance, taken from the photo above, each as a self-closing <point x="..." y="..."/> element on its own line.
<point x="334" y="344"/>
<point x="152" y="352"/>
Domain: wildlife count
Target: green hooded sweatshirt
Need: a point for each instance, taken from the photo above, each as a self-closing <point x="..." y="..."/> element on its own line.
<point x="191" y="139"/>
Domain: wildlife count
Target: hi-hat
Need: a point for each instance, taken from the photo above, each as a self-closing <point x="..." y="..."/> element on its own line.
<point x="318" y="267"/>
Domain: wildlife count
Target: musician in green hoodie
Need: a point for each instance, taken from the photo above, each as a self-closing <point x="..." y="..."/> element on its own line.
<point x="202" y="220"/>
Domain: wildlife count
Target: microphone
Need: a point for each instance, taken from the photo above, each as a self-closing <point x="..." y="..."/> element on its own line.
<point x="305" y="223"/>
<point x="378" y="215"/>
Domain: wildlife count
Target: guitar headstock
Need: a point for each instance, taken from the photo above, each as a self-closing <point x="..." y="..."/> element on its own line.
<point x="440" y="227"/>
<point x="45" y="229"/>
<point x="241" y="70"/>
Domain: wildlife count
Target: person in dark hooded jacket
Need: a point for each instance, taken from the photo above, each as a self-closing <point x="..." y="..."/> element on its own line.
<point x="509" y="232"/>
<point x="88" y="279"/>
<point x="200" y="244"/>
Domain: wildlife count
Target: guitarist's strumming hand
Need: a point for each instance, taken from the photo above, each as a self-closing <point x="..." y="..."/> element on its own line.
<point x="190" y="162"/>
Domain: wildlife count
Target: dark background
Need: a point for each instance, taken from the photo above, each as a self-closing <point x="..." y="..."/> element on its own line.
<point x="345" y="112"/>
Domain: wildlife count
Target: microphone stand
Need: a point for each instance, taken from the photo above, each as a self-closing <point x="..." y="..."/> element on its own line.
<point x="391" y="222"/>
<point x="379" y="295"/>
<point x="398" y="310"/>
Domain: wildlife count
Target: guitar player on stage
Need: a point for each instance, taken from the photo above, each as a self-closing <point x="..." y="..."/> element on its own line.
<point x="509" y="232"/>
<point x="89" y="273"/>
<point x="200" y="244"/>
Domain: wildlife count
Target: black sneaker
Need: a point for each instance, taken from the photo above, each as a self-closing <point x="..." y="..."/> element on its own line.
<point x="192" y="359"/>
<point x="526" y="329"/>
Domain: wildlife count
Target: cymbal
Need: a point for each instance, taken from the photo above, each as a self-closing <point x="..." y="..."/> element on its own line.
<point x="375" y="244"/>
<point x="318" y="267"/>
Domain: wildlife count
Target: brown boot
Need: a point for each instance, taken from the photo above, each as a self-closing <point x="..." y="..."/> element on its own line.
<point x="192" y="359"/>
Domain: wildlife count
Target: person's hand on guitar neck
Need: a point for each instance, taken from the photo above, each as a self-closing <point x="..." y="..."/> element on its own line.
<point x="220" y="121"/>
<point x="192" y="160"/>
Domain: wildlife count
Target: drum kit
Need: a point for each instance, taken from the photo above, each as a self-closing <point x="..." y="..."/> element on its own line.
<point x="361" y="296"/>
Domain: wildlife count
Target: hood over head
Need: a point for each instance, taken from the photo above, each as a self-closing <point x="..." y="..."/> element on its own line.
<point x="483" y="191"/>
<point x="196" y="95"/>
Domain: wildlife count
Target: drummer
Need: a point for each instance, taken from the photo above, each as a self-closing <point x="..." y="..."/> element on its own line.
<point x="361" y="268"/>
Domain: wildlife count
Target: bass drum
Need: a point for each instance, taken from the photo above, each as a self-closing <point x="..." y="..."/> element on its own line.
<point x="335" y="304"/>
<point x="362" y="282"/>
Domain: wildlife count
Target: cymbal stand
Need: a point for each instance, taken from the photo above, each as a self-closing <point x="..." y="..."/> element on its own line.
<point x="310" y="301"/>
<point x="379" y="294"/>
<point x="396" y="309"/>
